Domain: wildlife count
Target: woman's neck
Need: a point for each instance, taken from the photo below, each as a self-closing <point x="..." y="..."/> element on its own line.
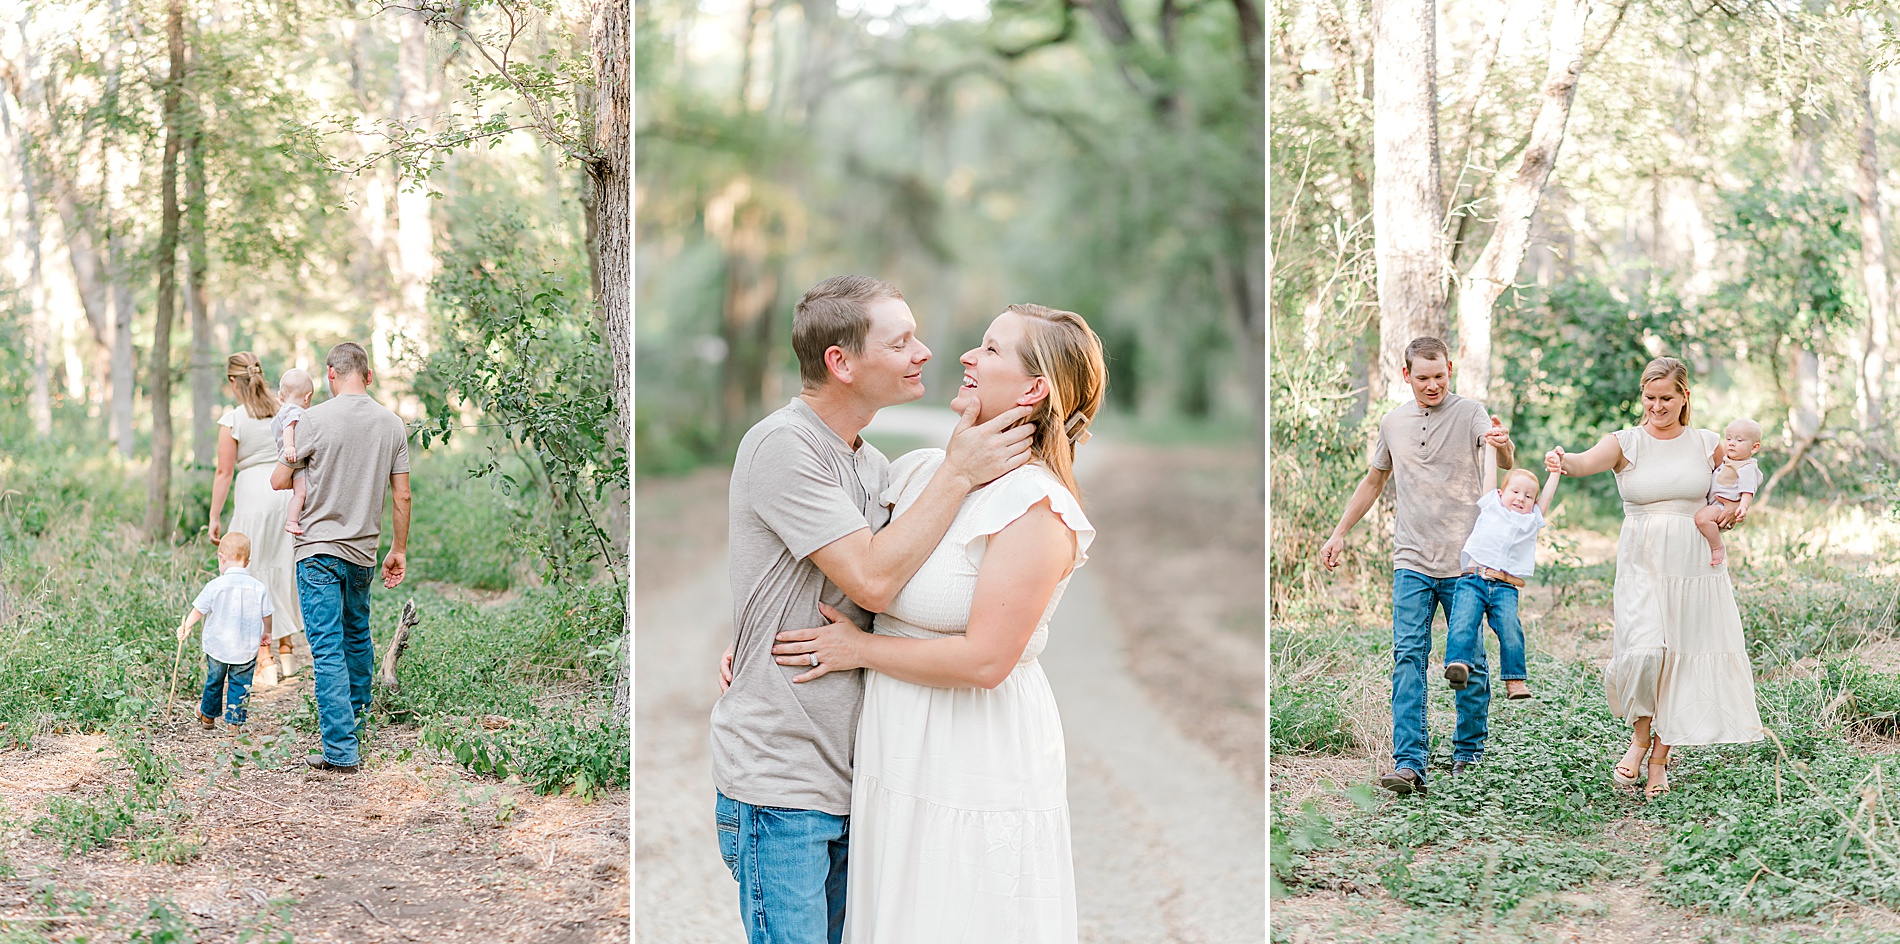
<point x="1673" y="430"/>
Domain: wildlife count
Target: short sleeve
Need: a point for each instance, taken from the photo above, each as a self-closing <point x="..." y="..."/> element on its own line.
<point x="1382" y="453"/>
<point x="796" y="495"/>
<point x="1711" y="440"/>
<point x="1750" y="479"/>
<point x="1627" y="440"/>
<point x="1489" y="500"/>
<point x="203" y="603"/>
<point x="269" y="608"/>
<point x="1007" y="498"/>
<point x="399" y="461"/>
<point x="230" y="420"/>
<point x="1480" y="420"/>
<point x="909" y="474"/>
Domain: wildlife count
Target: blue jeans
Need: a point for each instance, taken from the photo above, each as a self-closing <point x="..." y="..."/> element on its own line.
<point x="217" y="674"/>
<point x="790" y="868"/>
<point x="1415" y="598"/>
<point x="1475" y="602"/>
<point x="334" y="594"/>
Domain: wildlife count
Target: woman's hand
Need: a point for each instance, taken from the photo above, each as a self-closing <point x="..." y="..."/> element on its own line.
<point x="216" y="531"/>
<point x="1554" y="461"/>
<point x="835" y="643"/>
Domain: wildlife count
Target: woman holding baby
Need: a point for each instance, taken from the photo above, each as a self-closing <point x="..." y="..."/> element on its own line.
<point x="1679" y="670"/>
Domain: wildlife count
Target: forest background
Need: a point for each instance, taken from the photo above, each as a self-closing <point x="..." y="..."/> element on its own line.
<point x="1564" y="190"/>
<point x="448" y="184"/>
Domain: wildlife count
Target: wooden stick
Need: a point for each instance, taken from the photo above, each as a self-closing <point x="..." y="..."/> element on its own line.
<point x="171" y="690"/>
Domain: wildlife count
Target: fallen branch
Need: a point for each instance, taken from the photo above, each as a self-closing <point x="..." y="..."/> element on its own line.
<point x="407" y="622"/>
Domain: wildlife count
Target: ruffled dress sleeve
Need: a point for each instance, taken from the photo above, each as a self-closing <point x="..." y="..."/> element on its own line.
<point x="908" y="476"/>
<point x="1630" y="441"/>
<point x="1006" y="499"/>
<point x="230" y="420"/>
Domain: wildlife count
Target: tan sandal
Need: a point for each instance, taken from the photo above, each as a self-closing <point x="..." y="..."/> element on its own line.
<point x="1621" y="779"/>
<point x="1658" y="780"/>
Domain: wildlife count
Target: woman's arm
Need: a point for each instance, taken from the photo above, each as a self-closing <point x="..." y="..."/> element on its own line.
<point x="1021" y="568"/>
<point x="1606" y="455"/>
<point x="221" y="480"/>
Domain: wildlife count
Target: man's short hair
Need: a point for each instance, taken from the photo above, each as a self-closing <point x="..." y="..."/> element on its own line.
<point x="235" y="545"/>
<point x="348" y="359"/>
<point x="833" y="313"/>
<point x="1430" y="349"/>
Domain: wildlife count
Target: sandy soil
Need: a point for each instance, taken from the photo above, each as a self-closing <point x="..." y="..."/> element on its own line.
<point x="413" y="848"/>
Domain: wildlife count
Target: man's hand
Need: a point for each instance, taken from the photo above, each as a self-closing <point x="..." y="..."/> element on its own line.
<point x="725" y="669"/>
<point x="835" y="643"/>
<point x="984" y="453"/>
<point x="1497" y="435"/>
<point x="393" y="570"/>
<point x="1329" y="553"/>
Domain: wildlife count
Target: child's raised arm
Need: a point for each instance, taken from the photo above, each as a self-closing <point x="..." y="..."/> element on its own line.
<point x="1490" y="471"/>
<point x="1550" y="491"/>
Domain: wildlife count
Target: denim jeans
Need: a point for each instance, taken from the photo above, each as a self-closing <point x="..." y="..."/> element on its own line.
<point x="790" y="867"/>
<point x="334" y="594"/>
<point x="217" y="675"/>
<point x="1415" y="598"/>
<point x="1475" y="602"/>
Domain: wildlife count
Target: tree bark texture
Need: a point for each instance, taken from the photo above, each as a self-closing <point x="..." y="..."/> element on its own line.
<point x="123" y="365"/>
<point x="158" y="496"/>
<point x="204" y="355"/>
<point x="1871" y="363"/>
<point x="612" y="186"/>
<point x="1503" y="253"/>
<point x="1407" y="203"/>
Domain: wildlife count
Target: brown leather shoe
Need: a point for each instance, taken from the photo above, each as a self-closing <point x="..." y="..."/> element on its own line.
<point x="1457" y="673"/>
<point x="1403" y="781"/>
<point x="316" y="762"/>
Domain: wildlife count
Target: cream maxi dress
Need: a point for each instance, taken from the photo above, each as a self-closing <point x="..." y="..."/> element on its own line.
<point x="1677" y="652"/>
<point x="257" y="512"/>
<point x="959" y="801"/>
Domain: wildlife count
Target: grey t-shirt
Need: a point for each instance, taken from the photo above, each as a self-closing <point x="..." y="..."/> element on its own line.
<point x="350" y="446"/>
<point x="1436" y="457"/>
<point x="796" y="487"/>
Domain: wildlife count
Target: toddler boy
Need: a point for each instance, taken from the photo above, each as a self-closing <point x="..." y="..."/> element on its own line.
<point x="236" y="610"/>
<point x="1499" y="554"/>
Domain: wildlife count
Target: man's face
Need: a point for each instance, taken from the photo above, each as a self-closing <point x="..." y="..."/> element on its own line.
<point x="1430" y="380"/>
<point x="891" y="369"/>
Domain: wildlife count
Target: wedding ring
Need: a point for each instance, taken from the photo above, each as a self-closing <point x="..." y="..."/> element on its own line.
<point x="814" y="658"/>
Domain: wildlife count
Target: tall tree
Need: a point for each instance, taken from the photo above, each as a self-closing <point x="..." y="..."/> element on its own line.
<point x="1870" y="360"/>
<point x="204" y="355"/>
<point x="158" y="496"/>
<point x="1407" y="201"/>
<point x="1497" y="265"/>
<point x="613" y="267"/>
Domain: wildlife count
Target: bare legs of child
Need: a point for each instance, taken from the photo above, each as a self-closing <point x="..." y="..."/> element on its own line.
<point x="1707" y="521"/>
<point x="293" y="516"/>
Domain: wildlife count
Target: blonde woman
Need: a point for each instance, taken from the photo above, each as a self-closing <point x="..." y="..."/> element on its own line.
<point x="246" y="453"/>
<point x="959" y="805"/>
<point x="1679" y="670"/>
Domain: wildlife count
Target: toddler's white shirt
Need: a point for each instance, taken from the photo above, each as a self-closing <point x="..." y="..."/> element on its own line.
<point x="234" y="606"/>
<point x="1503" y="539"/>
<point x="1747" y="479"/>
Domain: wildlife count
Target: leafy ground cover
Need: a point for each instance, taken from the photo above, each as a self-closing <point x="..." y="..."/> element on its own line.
<point x="1791" y="838"/>
<point x="493" y="800"/>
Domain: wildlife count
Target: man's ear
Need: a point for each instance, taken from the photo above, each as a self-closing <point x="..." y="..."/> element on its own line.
<point x="1038" y="391"/>
<point x="838" y="363"/>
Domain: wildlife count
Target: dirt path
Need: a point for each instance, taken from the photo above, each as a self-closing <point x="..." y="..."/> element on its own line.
<point x="1168" y="837"/>
<point x="414" y="848"/>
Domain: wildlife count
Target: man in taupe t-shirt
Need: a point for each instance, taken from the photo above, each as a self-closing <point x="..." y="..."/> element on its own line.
<point x="354" y="452"/>
<point x="1432" y="449"/>
<point x="808" y="526"/>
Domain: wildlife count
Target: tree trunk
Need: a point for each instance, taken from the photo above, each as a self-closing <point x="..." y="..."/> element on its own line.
<point x="27" y="262"/>
<point x="204" y="353"/>
<point x="404" y="334"/>
<point x="123" y="366"/>
<point x="1497" y="265"/>
<point x="1407" y="202"/>
<point x="1871" y="363"/>
<point x="158" y="496"/>
<point x="612" y="185"/>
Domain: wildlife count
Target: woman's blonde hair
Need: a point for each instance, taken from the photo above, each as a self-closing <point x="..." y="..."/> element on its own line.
<point x="1668" y="368"/>
<point x="246" y="374"/>
<point x="1060" y="347"/>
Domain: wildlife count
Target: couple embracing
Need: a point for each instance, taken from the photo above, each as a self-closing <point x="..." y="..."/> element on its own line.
<point x="1679" y="671"/>
<point x="897" y="776"/>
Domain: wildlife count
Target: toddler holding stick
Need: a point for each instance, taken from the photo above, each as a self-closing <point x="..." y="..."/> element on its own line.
<point x="236" y="610"/>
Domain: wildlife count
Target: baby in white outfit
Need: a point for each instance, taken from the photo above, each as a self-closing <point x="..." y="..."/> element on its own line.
<point x="1732" y="485"/>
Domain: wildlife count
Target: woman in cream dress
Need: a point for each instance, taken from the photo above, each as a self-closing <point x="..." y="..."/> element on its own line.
<point x="246" y="453"/>
<point x="1679" y="670"/>
<point x="959" y="803"/>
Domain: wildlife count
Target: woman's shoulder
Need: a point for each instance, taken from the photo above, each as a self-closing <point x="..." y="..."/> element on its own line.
<point x="1017" y="491"/>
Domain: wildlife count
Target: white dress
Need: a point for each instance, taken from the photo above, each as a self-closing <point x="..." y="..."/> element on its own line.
<point x="1678" y="655"/>
<point x="959" y="803"/>
<point x="257" y="512"/>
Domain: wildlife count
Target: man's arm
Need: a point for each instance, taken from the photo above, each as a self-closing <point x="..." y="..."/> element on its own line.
<point x="394" y="564"/>
<point x="1356" y="508"/>
<point x="872" y="568"/>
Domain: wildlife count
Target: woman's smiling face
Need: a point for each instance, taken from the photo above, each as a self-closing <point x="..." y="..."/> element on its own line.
<point x="1663" y="404"/>
<point x="993" y="372"/>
